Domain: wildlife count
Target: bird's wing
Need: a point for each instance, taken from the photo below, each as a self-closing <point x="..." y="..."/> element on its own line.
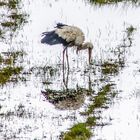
<point x="52" y="38"/>
<point x="71" y="34"/>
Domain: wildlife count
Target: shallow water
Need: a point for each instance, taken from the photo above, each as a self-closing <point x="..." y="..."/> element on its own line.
<point x="27" y="113"/>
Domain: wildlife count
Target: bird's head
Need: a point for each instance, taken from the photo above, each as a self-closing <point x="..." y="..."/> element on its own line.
<point x="86" y="45"/>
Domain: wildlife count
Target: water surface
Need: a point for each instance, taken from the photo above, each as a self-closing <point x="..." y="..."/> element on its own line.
<point x="27" y="114"/>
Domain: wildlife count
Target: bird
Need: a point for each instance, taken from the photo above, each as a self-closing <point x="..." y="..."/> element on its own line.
<point x="68" y="36"/>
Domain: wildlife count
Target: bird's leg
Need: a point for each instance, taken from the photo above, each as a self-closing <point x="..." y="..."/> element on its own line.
<point x="67" y="58"/>
<point x="64" y="78"/>
<point x="89" y="53"/>
<point x="63" y="66"/>
<point x="65" y="81"/>
<point x="77" y="50"/>
<point x="67" y="78"/>
<point x="64" y="57"/>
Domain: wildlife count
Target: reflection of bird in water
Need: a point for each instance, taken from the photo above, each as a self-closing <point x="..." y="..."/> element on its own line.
<point x="68" y="36"/>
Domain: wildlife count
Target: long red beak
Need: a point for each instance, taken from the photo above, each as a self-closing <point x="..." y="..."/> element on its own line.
<point x="89" y="53"/>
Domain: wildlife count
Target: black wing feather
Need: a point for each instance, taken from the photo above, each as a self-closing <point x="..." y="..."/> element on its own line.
<point x="51" y="38"/>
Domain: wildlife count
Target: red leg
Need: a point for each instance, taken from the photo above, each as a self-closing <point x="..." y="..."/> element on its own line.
<point x="63" y="59"/>
<point x="63" y="65"/>
<point x="65" y="81"/>
<point x="67" y="58"/>
<point x="64" y="56"/>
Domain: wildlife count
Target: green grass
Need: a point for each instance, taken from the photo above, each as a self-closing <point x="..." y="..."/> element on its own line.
<point x="110" y="67"/>
<point x="56" y="96"/>
<point x="2" y="3"/>
<point x="78" y="132"/>
<point x="7" y="72"/>
<point x="16" y="54"/>
<point x="13" y="3"/>
<point x="8" y="24"/>
<point x="6" y="61"/>
<point x="103" y="2"/>
<point x="15" y="16"/>
<point x="9" y="58"/>
<point x="99" y="100"/>
<point x="14" y="20"/>
<point x="91" y="121"/>
<point x="129" y="31"/>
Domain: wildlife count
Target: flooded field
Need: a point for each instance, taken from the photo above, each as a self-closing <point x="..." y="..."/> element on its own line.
<point x="39" y="100"/>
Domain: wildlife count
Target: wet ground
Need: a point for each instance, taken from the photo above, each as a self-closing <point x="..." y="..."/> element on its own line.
<point x="39" y="101"/>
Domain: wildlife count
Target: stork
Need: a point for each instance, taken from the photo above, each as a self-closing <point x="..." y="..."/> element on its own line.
<point x="69" y="36"/>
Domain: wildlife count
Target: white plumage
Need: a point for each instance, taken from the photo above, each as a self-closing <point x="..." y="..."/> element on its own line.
<point x="71" y="34"/>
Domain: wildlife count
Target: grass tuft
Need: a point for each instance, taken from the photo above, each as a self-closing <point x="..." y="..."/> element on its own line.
<point x="110" y="68"/>
<point x="99" y="101"/>
<point x="103" y="2"/>
<point x="7" y="72"/>
<point x="91" y="121"/>
<point x="78" y="132"/>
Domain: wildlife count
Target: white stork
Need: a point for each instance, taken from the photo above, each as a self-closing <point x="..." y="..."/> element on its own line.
<point x="68" y="36"/>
